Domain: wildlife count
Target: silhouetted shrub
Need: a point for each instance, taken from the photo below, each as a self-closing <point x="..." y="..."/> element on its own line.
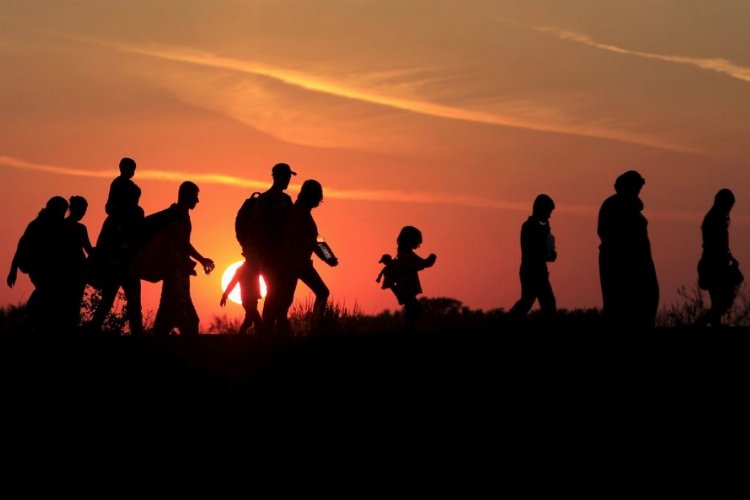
<point x="694" y="302"/>
<point x="223" y="325"/>
<point x="14" y="320"/>
<point x="116" y="322"/>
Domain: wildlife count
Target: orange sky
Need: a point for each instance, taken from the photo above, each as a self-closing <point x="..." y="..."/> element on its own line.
<point x="450" y="116"/>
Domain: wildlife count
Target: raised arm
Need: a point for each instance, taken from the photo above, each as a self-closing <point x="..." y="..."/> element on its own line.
<point x="230" y="286"/>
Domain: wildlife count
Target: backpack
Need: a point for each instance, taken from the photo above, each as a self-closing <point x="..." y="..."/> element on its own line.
<point x="155" y="250"/>
<point x="246" y="224"/>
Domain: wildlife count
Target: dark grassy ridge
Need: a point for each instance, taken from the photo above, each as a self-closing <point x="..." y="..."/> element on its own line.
<point x="523" y="366"/>
<point x="523" y="397"/>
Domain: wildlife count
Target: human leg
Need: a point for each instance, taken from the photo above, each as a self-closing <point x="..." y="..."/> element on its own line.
<point x="187" y="316"/>
<point x="546" y="297"/>
<point x="281" y="286"/>
<point x="310" y="277"/>
<point x="722" y="299"/>
<point x="165" y="314"/>
<point x="108" y="294"/>
<point x="252" y="316"/>
<point x="412" y="311"/>
<point x="132" y="288"/>
<point x="529" y="294"/>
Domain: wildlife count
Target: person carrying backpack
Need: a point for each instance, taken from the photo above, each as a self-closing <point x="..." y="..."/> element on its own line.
<point x="259" y="227"/>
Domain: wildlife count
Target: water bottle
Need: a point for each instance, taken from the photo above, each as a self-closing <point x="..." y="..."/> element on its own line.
<point x="551" y="251"/>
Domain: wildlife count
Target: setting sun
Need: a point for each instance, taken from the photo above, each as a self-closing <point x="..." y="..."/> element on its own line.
<point x="236" y="296"/>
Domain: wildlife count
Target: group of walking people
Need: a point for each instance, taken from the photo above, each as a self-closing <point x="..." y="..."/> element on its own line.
<point x="56" y="253"/>
<point x="278" y="238"/>
<point x="629" y="284"/>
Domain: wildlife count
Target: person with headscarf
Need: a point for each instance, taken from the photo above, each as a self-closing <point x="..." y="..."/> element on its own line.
<point x="38" y="255"/>
<point x="630" y="289"/>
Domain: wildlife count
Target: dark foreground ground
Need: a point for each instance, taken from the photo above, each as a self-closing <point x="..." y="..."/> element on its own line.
<point x="522" y="368"/>
<point x="581" y="401"/>
<point x="580" y="411"/>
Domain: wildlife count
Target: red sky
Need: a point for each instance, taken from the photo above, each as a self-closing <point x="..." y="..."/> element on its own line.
<point x="450" y="116"/>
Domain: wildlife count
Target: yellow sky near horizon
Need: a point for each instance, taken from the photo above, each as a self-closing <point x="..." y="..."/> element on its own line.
<point x="450" y="116"/>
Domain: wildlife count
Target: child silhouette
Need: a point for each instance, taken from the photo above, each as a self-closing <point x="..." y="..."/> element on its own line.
<point x="248" y="276"/>
<point x="401" y="274"/>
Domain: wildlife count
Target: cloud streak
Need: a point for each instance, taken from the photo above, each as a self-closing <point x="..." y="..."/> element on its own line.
<point x="313" y="83"/>
<point x="718" y="65"/>
<point x="330" y="87"/>
<point x="156" y="175"/>
<point x="228" y="180"/>
<point x="382" y="196"/>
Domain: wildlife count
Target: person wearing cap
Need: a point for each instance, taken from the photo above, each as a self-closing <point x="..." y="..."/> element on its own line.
<point x="273" y="212"/>
<point x="630" y="289"/>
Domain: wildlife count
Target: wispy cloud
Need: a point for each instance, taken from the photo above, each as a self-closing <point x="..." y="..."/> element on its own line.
<point x="387" y="196"/>
<point x="157" y="175"/>
<point x="718" y="65"/>
<point x="228" y="180"/>
<point x="348" y="90"/>
<point x="311" y="82"/>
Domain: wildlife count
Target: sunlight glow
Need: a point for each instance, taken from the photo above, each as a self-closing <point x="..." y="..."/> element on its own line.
<point x="236" y="296"/>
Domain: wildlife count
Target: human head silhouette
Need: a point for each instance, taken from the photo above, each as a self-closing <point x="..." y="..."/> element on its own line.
<point x="78" y="207"/>
<point x="543" y="207"/>
<point x="409" y="238"/>
<point x="127" y="167"/>
<point x="629" y="183"/>
<point x="724" y="200"/>
<point x="55" y="208"/>
<point x="282" y="173"/>
<point x="187" y="196"/>
<point x="311" y="193"/>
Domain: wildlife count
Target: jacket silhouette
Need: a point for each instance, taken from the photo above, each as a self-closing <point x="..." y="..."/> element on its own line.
<point x="537" y="248"/>
<point x="630" y="289"/>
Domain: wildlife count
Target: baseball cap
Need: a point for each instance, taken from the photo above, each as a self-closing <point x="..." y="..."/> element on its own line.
<point x="282" y="168"/>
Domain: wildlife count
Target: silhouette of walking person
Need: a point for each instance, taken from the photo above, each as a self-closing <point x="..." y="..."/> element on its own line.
<point x="300" y="242"/>
<point x="77" y="247"/>
<point x="176" y="309"/>
<point x="401" y="274"/>
<point x="38" y="255"/>
<point x="116" y="247"/>
<point x="273" y="212"/>
<point x="537" y="248"/>
<point x="630" y="290"/>
<point x="248" y="277"/>
<point x="718" y="270"/>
